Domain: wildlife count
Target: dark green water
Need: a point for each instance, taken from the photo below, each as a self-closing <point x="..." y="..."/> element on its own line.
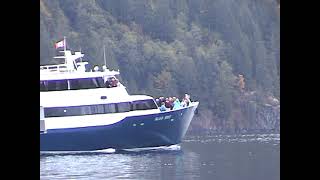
<point x="225" y="157"/>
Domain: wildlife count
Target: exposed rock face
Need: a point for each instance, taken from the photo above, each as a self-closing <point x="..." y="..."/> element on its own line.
<point x="268" y="117"/>
<point x="253" y="113"/>
<point x="263" y="116"/>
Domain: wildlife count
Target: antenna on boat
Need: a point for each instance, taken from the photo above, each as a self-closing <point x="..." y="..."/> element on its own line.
<point x="104" y="55"/>
<point x="80" y="56"/>
<point x="65" y="49"/>
<point x="65" y="44"/>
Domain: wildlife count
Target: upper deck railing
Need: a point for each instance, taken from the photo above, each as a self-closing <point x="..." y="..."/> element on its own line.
<point x="70" y="65"/>
<point x="54" y="68"/>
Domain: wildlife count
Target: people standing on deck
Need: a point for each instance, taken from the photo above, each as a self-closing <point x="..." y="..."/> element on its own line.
<point x="158" y="102"/>
<point x="168" y="103"/>
<point x="96" y="68"/>
<point x="163" y="107"/>
<point x="172" y="103"/>
<point x="112" y="82"/>
<point x="183" y="103"/>
<point x="176" y="104"/>
<point x="161" y="99"/>
<point x="171" y="100"/>
<point x="187" y="99"/>
<point x="108" y="83"/>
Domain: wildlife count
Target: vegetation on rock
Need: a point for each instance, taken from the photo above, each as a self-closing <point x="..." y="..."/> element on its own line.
<point x="173" y="47"/>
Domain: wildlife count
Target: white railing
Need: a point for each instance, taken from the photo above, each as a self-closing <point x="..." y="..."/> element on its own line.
<point x="54" y="68"/>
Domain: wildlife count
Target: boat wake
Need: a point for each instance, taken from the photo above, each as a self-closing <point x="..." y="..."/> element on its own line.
<point x="96" y="152"/>
<point x="160" y="149"/>
<point x="175" y="147"/>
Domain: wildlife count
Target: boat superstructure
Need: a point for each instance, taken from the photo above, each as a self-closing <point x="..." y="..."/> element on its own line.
<point x="83" y="109"/>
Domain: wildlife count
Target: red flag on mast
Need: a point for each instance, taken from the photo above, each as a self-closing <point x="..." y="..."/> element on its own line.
<point x="59" y="44"/>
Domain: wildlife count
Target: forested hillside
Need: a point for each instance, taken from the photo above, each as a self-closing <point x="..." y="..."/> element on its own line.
<point x="173" y="47"/>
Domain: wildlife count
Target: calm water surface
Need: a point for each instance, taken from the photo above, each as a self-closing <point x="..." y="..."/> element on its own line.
<point x="225" y="157"/>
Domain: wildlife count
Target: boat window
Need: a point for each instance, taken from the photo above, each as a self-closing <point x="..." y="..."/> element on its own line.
<point x="144" y="105"/>
<point x="123" y="107"/>
<point x="57" y="85"/>
<point x="60" y="85"/>
<point x="86" y="83"/>
<point x="43" y="86"/>
<point x="110" y="108"/>
<point x="80" y="110"/>
<point x="99" y="108"/>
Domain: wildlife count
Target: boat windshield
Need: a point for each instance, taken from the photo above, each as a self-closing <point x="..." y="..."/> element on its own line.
<point x="143" y="105"/>
<point x="71" y="84"/>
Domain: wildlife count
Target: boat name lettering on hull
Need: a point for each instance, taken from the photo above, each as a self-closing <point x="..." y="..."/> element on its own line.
<point x="162" y="118"/>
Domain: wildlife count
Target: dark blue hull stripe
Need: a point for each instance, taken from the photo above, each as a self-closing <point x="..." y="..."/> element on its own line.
<point x="162" y="129"/>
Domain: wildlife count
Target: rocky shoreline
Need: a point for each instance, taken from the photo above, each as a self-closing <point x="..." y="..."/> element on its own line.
<point x="252" y="113"/>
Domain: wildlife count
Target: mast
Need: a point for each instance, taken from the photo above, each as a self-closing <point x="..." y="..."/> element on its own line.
<point x="65" y="49"/>
<point x="80" y="56"/>
<point x="65" y="44"/>
<point x="104" y="55"/>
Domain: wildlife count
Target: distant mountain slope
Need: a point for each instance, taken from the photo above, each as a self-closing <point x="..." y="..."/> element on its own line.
<point x="172" y="47"/>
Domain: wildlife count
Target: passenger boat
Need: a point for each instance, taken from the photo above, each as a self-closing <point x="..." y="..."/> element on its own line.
<point x="85" y="110"/>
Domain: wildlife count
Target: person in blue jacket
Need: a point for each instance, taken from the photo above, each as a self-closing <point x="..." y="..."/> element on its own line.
<point x="163" y="107"/>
